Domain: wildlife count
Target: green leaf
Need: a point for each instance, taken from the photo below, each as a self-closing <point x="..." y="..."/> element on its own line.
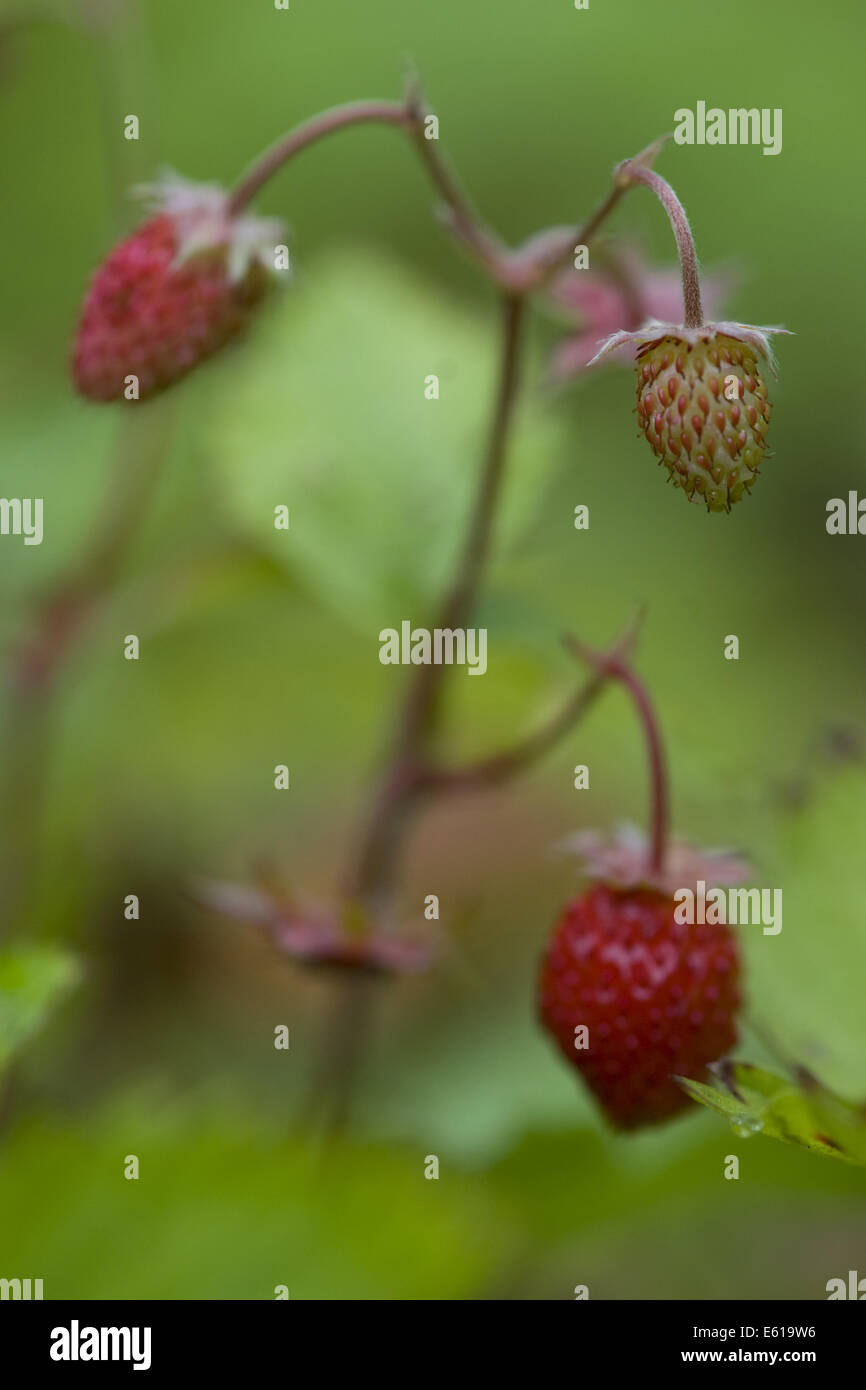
<point x="32" y="981"/>
<point x="801" y="1112"/>
<point x="325" y="412"/>
<point x="806" y="983"/>
<point x="229" y="1206"/>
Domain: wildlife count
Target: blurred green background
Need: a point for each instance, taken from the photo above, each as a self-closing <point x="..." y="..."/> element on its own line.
<point x="261" y="647"/>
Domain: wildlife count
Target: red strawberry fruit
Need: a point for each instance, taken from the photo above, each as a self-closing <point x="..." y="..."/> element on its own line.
<point x="657" y="998"/>
<point x="633" y="993"/>
<point x="172" y="294"/>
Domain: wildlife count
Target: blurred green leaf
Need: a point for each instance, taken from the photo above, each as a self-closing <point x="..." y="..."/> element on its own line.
<point x="806" y="983"/>
<point x="32" y="981"/>
<point x="755" y="1101"/>
<point x="228" y="1206"/>
<point x="326" y="414"/>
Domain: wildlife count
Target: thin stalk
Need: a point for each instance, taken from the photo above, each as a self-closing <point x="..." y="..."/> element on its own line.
<point x="508" y="762"/>
<point x="693" y="313"/>
<point x="408" y="116"/>
<point x="337" y="118"/>
<point x="402" y="785"/>
<point x="615" y="666"/>
<point x="460" y="599"/>
<point x="658" y="769"/>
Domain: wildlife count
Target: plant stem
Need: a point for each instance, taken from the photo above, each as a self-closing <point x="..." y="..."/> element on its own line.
<point x="490" y="251"/>
<point x="410" y="774"/>
<point x="518" y="272"/>
<point x="500" y="767"/>
<point x="658" y="771"/>
<point x="615" y="665"/>
<point x="409" y="116"/>
<point x="535" y="263"/>
<point x="630" y="173"/>
<point x="349" y="1017"/>
<point x="403" y="783"/>
<point x="337" y="118"/>
<point x="423" y="710"/>
<point x="542" y="256"/>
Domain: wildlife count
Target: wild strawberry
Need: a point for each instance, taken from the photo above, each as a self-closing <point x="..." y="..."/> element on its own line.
<point x="658" y="999"/>
<point x="633" y="996"/>
<point x="702" y="404"/>
<point x="172" y="294"/>
<point x="700" y="399"/>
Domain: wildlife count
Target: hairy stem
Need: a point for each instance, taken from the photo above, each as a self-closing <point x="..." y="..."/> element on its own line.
<point x="615" y="665"/>
<point x="632" y="172"/>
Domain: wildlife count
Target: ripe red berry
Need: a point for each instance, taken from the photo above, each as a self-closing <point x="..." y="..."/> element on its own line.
<point x="171" y="295"/>
<point x="658" y="999"/>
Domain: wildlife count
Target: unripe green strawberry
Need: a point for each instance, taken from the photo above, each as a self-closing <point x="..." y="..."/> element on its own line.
<point x="702" y="404"/>
<point x="704" y="410"/>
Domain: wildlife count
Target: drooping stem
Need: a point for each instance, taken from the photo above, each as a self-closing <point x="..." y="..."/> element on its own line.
<point x="518" y="272"/>
<point x="409" y="116"/>
<point x="632" y="172"/>
<point x="658" y="769"/>
<point x="615" y="666"/>
<point x="337" y="118"/>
